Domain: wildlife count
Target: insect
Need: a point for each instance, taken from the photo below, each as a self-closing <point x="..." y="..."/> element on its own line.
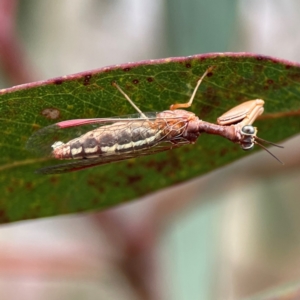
<point x="91" y="142"/>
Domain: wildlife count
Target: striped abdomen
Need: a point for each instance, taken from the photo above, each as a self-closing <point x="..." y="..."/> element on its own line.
<point x="177" y="127"/>
<point x="118" y="138"/>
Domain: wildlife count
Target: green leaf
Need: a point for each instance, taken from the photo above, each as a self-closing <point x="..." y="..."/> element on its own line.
<point x="153" y="86"/>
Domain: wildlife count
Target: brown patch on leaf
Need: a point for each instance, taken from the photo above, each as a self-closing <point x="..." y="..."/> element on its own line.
<point x="294" y="76"/>
<point x="134" y="179"/>
<point x="51" y="113"/>
<point x="130" y="164"/>
<point x="150" y="79"/>
<point x="260" y="58"/>
<point x="223" y="152"/>
<point x="58" y="81"/>
<point x="87" y="79"/>
<point x="3" y="217"/>
<point x="135" y="81"/>
<point x="274" y="61"/>
<point x="10" y="189"/>
<point x="153" y="164"/>
<point x="29" y="186"/>
<point x="54" y="180"/>
<point x="93" y="182"/>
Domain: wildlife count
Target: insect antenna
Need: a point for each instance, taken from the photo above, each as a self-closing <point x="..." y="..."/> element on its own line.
<point x="268" y="142"/>
<point x="273" y="144"/>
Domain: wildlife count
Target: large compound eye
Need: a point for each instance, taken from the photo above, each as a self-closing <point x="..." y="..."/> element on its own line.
<point x="248" y="130"/>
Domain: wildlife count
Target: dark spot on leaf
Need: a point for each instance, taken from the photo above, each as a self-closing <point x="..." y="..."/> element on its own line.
<point x="266" y="87"/>
<point x="29" y="186"/>
<point x="51" y="113"/>
<point x="260" y="58"/>
<point x="95" y="183"/>
<point x="58" y="81"/>
<point x="95" y="201"/>
<point x="87" y="79"/>
<point x="224" y="151"/>
<point x="288" y="67"/>
<point x="10" y="189"/>
<point x="3" y="217"/>
<point x="159" y="166"/>
<point x="54" y="179"/>
<point x="294" y="76"/>
<point x="188" y="65"/>
<point x="150" y="79"/>
<point x="126" y="69"/>
<point x="134" y="179"/>
<point x="135" y="81"/>
<point x="130" y="164"/>
<point x="116" y="184"/>
<point x="209" y="74"/>
<point x="270" y="81"/>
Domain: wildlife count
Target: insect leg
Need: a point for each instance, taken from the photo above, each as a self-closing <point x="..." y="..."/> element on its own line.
<point x="244" y="114"/>
<point x="129" y="100"/>
<point x="189" y="103"/>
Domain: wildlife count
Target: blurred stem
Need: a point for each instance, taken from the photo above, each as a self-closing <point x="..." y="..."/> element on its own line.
<point x="12" y="57"/>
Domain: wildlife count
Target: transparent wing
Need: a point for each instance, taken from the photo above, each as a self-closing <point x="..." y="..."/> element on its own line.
<point x="76" y="165"/>
<point x="41" y="141"/>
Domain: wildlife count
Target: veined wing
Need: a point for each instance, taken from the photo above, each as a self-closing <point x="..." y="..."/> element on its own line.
<point x="41" y="141"/>
<point x="76" y="165"/>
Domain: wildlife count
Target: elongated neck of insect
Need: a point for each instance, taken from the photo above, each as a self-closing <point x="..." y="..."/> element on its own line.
<point x="229" y="132"/>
